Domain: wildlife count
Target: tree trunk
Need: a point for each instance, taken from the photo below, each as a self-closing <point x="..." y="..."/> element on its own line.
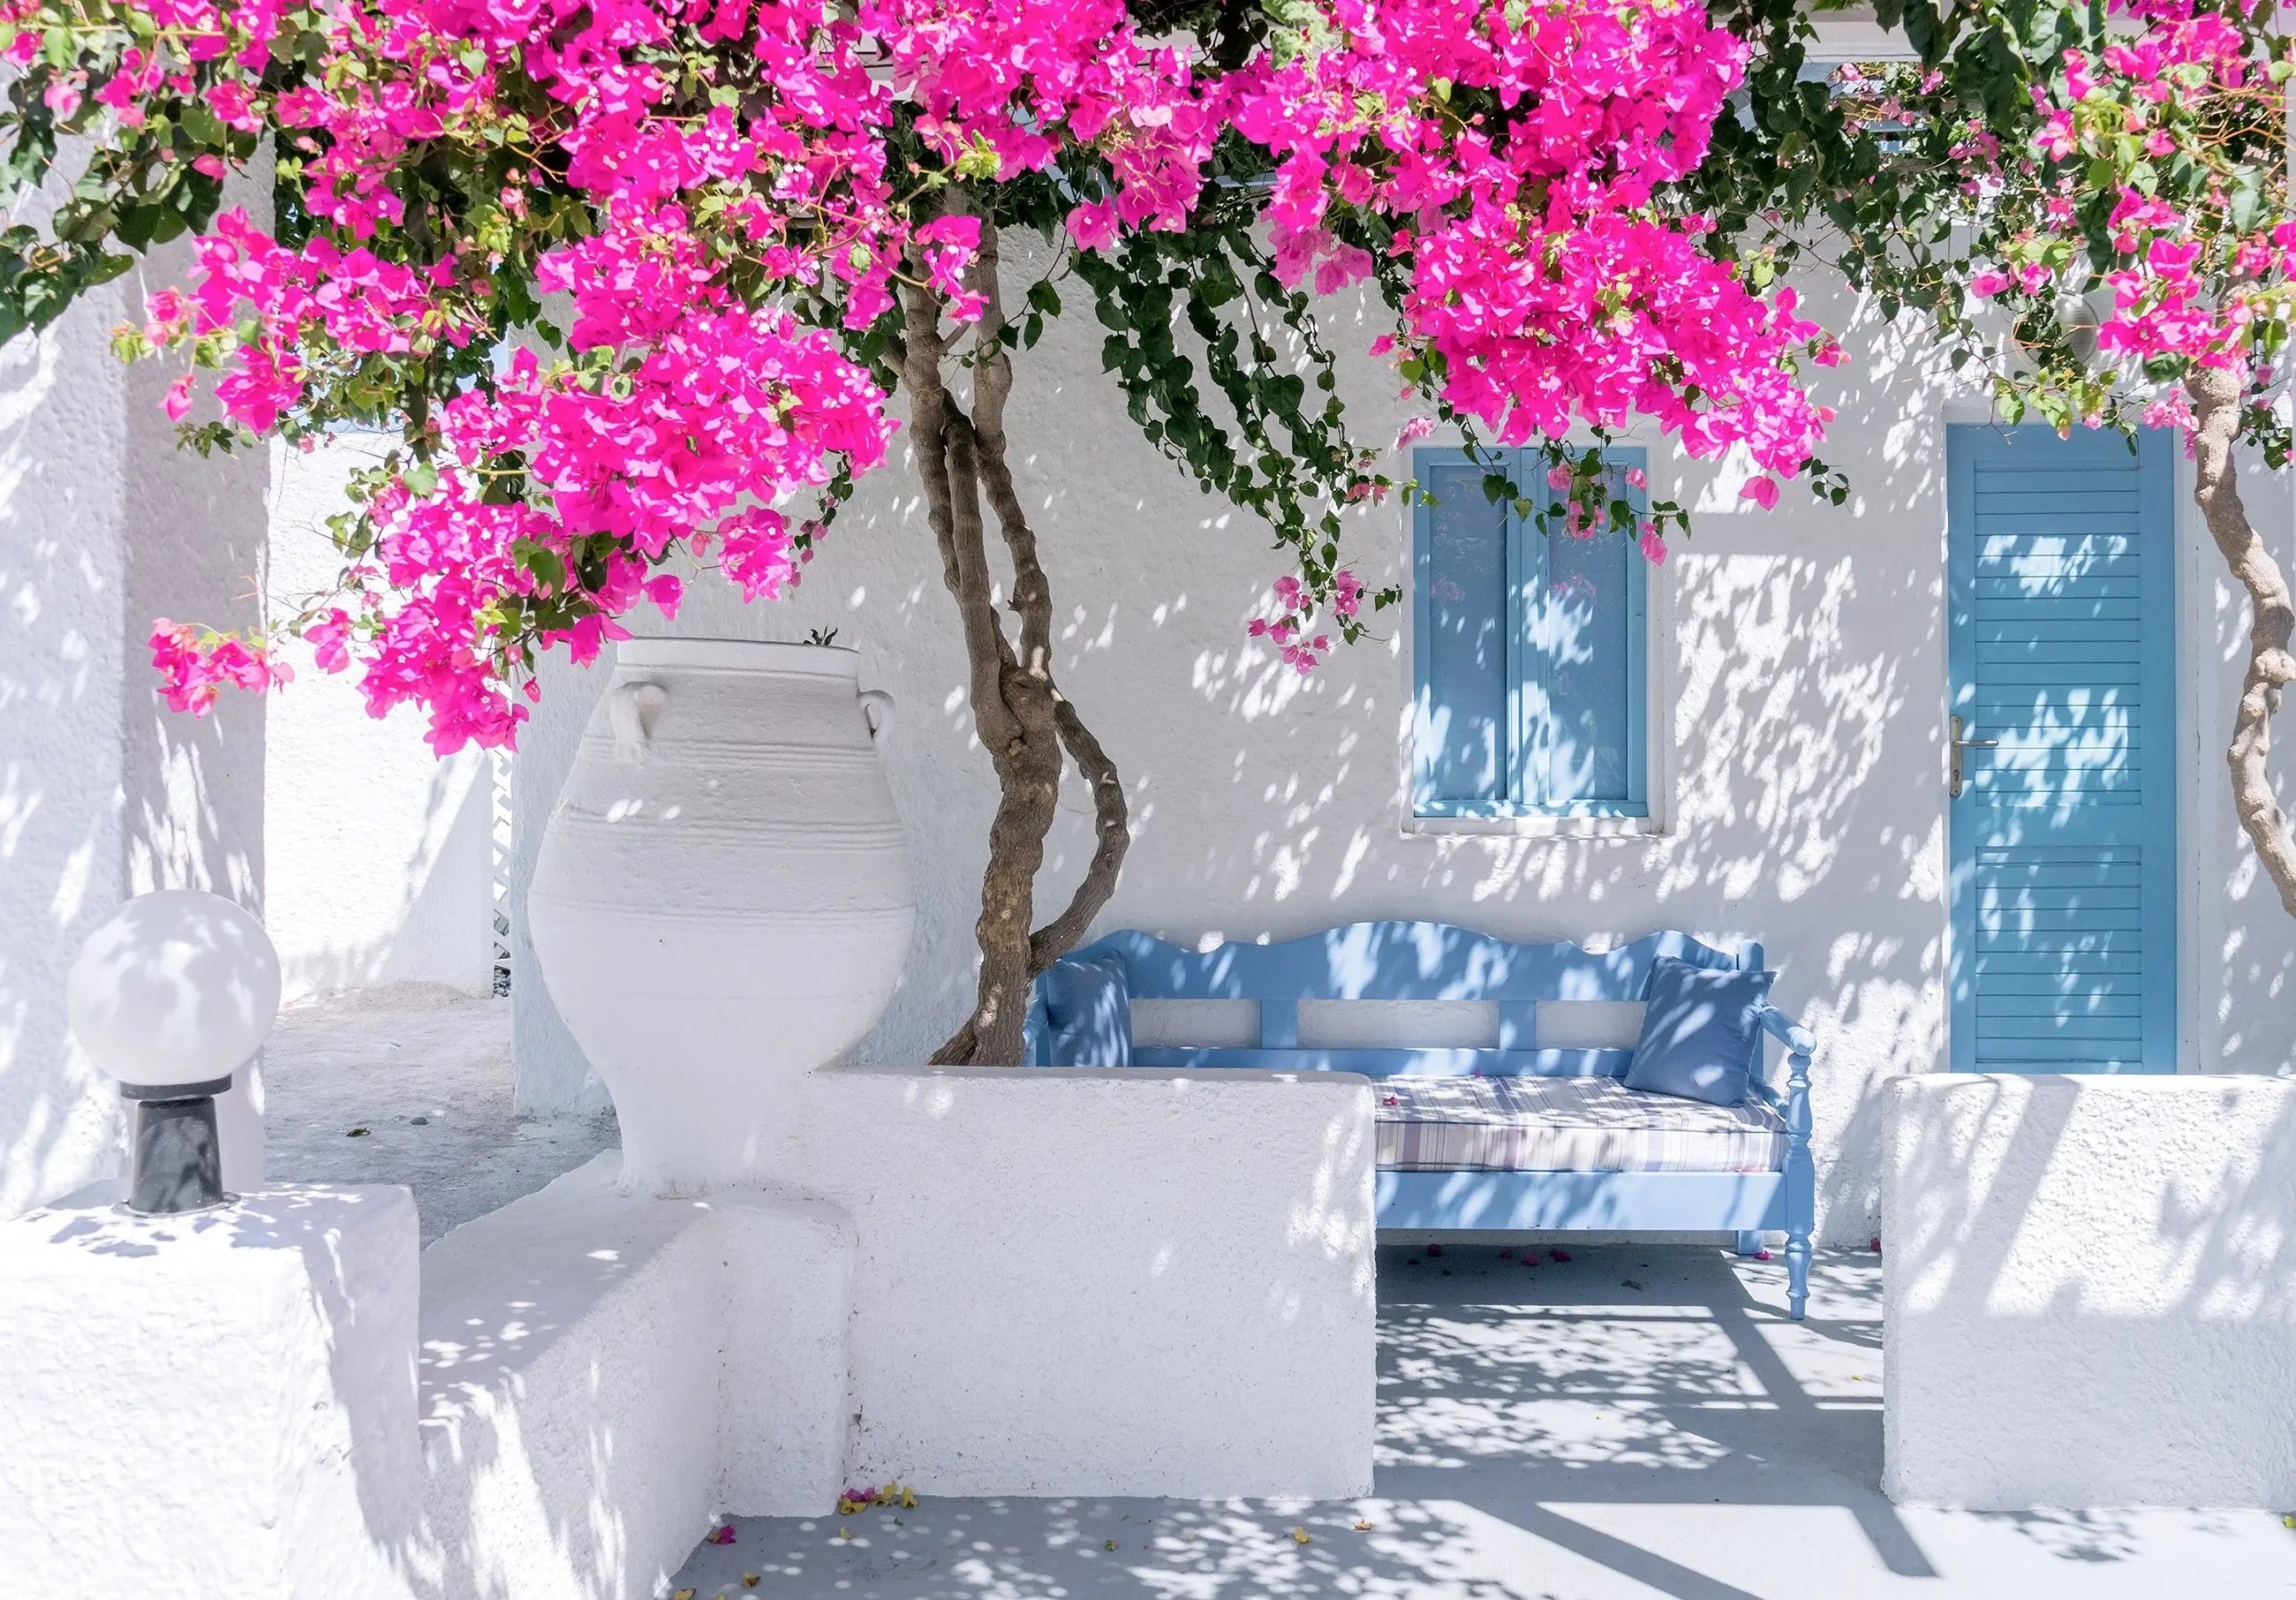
<point x="2215" y="403"/>
<point x="1024" y="723"/>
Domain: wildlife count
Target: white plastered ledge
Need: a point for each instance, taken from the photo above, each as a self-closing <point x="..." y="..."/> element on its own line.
<point x="220" y="1403"/>
<point x="2089" y="1298"/>
<point x="989" y="1281"/>
<point x="1136" y="1283"/>
<point x="603" y="1374"/>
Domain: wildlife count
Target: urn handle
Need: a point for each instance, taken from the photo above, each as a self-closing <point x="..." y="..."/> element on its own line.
<point x="877" y="711"/>
<point x="634" y="708"/>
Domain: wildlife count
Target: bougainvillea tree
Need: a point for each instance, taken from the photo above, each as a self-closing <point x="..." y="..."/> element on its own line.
<point x="2092" y="204"/>
<point x="638" y="280"/>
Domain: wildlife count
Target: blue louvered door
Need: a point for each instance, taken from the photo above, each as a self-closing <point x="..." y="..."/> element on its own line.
<point x="2061" y="618"/>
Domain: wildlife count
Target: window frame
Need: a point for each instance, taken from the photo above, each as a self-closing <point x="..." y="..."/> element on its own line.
<point x="1527" y="547"/>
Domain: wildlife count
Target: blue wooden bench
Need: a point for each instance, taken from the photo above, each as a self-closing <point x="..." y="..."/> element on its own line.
<point x="1433" y="961"/>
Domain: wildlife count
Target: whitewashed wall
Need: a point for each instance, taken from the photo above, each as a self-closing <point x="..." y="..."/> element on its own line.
<point x="1798" y="769"/>
<point x="103" y="792"/>
<point x="378" y="852"/>
<point x="2030" y="1368"/>
<point x="1045" y="1259"/>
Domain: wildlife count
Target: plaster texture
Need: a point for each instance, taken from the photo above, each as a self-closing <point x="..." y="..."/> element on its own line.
<point x="221" y="1402"/>
<point x="1797" y="763"/>
<point x="579" y="1350"/>
<point x="105" y="794"/>
<point x="1636" y="1423"/>
<point x="379" y="853"/>
<point x="2091" y="1300"/>
<point x="784" y="1388"/>
<point x="1104" y="1283"/>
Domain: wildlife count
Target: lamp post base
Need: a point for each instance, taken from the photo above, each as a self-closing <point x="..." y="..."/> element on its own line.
<point x="176" y="1162"/>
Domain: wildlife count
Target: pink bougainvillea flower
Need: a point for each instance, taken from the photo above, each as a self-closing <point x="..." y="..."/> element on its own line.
<point x="1762" y="491"/>
<point x="1093" y="225"/>
<point x="717" y="257"/>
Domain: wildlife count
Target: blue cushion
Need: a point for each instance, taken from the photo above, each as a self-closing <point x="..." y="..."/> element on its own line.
<point x="1701" y="1034"/>
<point x="1088" y="1014"/>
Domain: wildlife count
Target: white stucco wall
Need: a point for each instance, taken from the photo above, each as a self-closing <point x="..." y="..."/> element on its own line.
<point x="1095" y="1282"/>
<point x="379" y="853"/>
<point x="103" y="792"/>
<point x="991" y="1283"/>
<point x="2087" y="1300"/>
<point x="1798" y="766"/>
<point x="225" y="1400"/>
<point x="602" y="1376"/>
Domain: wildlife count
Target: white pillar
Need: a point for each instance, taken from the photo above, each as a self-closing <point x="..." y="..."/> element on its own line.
<point x="103" y="792"/>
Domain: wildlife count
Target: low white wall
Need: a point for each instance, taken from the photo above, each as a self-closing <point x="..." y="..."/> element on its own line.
<point x="220" y="1405"/>
<point x="992" y="1283"/>
<point x="2090" y="1293"/>
<point x="1093" y="1282"/>
<point x="602" y="1375"/>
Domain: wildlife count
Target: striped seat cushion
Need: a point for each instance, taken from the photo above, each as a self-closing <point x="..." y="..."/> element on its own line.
<point x="1567" y="1125"/>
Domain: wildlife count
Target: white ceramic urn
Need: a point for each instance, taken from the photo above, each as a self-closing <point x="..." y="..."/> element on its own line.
<point x="722" y="902"/>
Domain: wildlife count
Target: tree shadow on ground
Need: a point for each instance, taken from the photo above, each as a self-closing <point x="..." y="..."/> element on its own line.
<point x="1639" y="1420"/>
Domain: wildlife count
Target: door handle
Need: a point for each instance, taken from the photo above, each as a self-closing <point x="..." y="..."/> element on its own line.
<point x="1960" y="744"/>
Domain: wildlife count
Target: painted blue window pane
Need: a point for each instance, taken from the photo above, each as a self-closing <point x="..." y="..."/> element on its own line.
<point x="1463" y="701"/>
<point x="1530" y="654"/>
<point x="1576" y="705"/>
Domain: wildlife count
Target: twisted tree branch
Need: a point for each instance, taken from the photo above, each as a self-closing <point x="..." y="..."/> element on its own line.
<point x="1023" y="722"/>
<point x="2216" y="395"/>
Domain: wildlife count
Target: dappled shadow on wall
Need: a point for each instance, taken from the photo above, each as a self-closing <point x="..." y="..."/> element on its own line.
<point x="2219" y="1244"/>
<point x="1796" y="732"/>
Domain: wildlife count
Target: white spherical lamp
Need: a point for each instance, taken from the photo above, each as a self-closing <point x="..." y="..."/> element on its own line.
<point x="171" y="995"/>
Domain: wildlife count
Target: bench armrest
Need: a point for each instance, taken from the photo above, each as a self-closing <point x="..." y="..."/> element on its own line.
<point x="1789" y="1033"/>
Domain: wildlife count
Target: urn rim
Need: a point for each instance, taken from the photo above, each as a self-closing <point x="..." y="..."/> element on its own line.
<point x="736" y="656"/>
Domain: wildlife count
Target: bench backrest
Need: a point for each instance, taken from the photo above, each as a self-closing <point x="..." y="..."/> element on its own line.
<point x="1392" y="961"/>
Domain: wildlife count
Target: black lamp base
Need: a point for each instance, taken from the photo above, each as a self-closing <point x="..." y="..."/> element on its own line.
<point x="176" y="1160"/>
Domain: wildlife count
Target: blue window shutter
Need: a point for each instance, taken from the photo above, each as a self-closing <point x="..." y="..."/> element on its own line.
<point x="1530" y="652"/>
<point x="1462" y="641"/>
<point x="1583" y="684"/>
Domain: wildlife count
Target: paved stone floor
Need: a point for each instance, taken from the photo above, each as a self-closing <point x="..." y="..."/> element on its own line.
<point x="1642" y="1421"/>
<point x="424" y="1070"/>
